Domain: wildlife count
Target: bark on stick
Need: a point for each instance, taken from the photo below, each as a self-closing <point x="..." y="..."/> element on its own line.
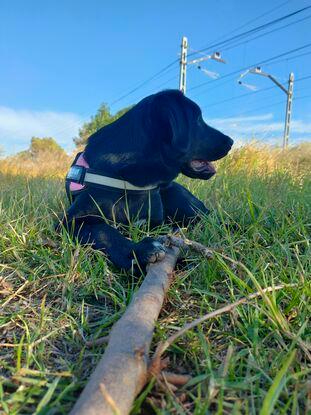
<point x="122" y="371"/>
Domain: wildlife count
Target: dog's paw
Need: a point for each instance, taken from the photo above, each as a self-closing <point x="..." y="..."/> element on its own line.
<point x="149" y="250"/>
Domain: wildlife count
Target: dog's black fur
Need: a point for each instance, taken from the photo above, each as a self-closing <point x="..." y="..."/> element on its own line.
<point x="149" y="145"/>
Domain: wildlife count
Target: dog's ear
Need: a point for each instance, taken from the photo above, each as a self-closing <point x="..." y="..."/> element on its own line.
<point x="172" y="116"/>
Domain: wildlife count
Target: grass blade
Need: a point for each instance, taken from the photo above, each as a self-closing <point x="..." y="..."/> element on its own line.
<point x="277" y="386"/>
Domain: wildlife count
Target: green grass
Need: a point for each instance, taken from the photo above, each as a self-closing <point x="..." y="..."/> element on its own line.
<point x="253" y="360"/>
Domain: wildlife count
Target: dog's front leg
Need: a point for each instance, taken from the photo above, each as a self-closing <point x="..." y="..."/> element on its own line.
<point x="120" y="250"/>
<point x="181" y="206"/>
<point x="83" y="221"/>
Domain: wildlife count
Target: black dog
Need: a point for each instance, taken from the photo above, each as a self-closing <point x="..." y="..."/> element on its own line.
<point x="145" y="150"/>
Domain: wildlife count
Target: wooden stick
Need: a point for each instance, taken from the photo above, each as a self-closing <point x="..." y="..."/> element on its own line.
<point x="185" y="243"/>
<point x="123" y="370"/>
<point x="175" y="378"/>
<point x="97" y="342"/>
<point x="14" y="295"/>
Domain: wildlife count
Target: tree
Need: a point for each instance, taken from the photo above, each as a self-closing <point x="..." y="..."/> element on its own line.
<point x="102" y="117"/>
<point x="44" y="145"/>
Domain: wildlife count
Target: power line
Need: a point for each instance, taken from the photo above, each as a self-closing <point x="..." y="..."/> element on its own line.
<point x="154" y="88"/>
<point x="156" y="75"/>
<point x="273" y="104"/>
<point x="213" y="86"/>
<point x="256" y="109"/>
<point x="255" y="29"/>
<point x="253" y="65"/>
<point x="270" y="105"/>
<point x="266" y="33"/>
<point x="252" y="39"/>
<point x="254" y="19"/>
<point x="303" y="78"/>
<point x="157" y="87"/>
<point x="303" y="97"/>
<point x="166" y="82"/>
<point x="238" y="97"/>
<point x="145" y="82"/>
<point x="70" y="125"/>
<point x="247" y="23"/>
<point x="170" y="65"/>
<point x="288" y="59"/>
<point x="217" y="85"/>
<point x="251" y="93"/>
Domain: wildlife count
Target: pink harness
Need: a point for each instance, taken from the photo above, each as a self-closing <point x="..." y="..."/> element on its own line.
<point x="81" y="174"/>
<point x="80" y="162"/>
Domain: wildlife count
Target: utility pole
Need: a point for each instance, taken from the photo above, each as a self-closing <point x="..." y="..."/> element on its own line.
<point x="288" y="92"/>
<point x="183" y="65"/>
<point x="288" y="113"/>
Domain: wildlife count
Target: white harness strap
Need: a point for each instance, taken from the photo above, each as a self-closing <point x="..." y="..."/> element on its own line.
<point x="111" y="182"/>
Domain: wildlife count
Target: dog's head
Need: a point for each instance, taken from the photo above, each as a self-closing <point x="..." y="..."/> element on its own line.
<point x="160" y="137"/>
<point x="186" y="137"/>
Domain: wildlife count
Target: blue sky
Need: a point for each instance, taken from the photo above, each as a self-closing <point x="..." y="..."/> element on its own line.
<point x="60" y="60"/>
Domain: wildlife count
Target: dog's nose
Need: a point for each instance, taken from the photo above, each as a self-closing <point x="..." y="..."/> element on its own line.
<point x="227" y="143"/>
<point x="230" y="141"/>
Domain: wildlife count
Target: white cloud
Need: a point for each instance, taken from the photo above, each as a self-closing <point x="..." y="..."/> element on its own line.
<point x="299" y="126"/>
<point x="18" y="126"/>
<point x="263" y="117"/>
<point x="260" y="127"/>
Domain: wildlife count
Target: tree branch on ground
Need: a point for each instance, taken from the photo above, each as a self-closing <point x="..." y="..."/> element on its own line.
<point x="124" y="368"/>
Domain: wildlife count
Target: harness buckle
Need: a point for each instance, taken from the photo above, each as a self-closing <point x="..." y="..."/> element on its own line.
<point x="76" y="174"/>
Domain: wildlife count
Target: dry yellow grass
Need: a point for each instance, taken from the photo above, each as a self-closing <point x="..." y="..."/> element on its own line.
<point x="251" y="158"/>
<point x="43" y="165"/>
<point x="56" y="295"/>
<point x="267" y="159"/>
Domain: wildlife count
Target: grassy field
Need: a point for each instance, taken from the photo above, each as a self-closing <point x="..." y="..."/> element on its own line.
<point x="55" y="295"/>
